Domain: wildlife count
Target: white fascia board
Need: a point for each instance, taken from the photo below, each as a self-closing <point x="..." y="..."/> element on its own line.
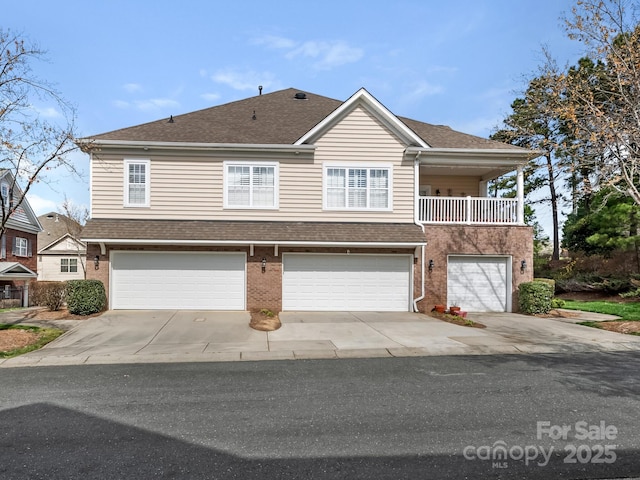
<point x="246" y="147"/>
<point x="469" y="157"/>
<point x="124" y="241"/>
<point x="382" y="112"/>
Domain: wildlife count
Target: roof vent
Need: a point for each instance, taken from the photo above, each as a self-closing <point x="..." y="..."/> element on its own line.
<point x="300" y="96"/>
<point x="170" y="119"/>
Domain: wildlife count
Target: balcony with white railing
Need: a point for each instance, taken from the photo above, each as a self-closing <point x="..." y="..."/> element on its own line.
<point x="469" y="211"/>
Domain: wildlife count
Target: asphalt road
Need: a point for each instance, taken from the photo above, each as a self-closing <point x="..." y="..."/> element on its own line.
<point x="515" y="416"/>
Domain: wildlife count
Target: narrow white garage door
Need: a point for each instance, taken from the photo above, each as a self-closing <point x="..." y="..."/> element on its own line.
<point x="171" y="280"/>
<point x="478" y="284"/>
<point x="346" y="282"/>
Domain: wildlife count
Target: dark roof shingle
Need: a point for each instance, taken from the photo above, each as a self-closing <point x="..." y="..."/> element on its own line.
<point x="209" y="231"/>
<point x="280" y="119"/>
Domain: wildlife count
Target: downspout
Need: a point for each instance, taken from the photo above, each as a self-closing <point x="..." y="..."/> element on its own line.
<point x="416" y="190"/>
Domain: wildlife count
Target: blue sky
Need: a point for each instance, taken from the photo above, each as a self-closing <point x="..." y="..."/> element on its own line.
<point x="121" y="63"/>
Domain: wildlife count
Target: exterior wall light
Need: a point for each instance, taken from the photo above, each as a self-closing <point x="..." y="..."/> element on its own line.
<point x="96" y="262"/>
<point x="264" y="264"/>
<point x="431" y="265"/>
<point x="523" y="266"/>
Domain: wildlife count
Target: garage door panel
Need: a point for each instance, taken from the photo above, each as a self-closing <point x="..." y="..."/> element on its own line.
<point x="346" y="282"/>
<point x="478" y="284"/>
<point x="171" y="280"/>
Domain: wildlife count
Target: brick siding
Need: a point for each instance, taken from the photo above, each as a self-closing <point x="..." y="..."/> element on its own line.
<point x="516" y="242"/>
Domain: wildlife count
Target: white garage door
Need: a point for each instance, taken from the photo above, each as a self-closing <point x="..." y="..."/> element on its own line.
<point x="346" y="282"/>
<point x="171" y="280"/>
<point x="478" y="284"/>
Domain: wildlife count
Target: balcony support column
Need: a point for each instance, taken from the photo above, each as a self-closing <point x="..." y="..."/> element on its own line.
<point x="520" y="195"/>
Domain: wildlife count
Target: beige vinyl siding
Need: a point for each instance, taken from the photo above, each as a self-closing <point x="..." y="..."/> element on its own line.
<point x="361" y="139"/>
<point x="458" y="185"/>
<point x="190" y="185"/>
<point x="49" y="269"/>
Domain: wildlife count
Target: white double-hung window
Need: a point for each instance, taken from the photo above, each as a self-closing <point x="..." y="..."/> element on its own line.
<point x="250" y="185"/>
<point x="136" y="183"/>
<point x="357" y="188"/>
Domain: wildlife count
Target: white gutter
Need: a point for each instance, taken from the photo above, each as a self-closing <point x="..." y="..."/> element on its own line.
<point x="416" y="191"/>
<point x="90" y="143"/>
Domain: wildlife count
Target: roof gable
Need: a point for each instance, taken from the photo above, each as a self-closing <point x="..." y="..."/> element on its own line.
<point x="367" y="101"/>
<point x="63" y="244"/>
<point x="24" y="218"/>
<point x="15" y="270"/>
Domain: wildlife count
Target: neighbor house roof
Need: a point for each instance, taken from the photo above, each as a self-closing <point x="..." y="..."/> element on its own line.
<point x="243" y="232"/>
<point x="278" y="118"/>
<point x="56" y="225"/>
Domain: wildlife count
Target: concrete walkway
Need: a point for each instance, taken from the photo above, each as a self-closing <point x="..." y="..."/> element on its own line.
<point x="161" y="336"/>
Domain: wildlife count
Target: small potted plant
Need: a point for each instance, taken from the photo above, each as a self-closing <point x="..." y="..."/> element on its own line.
<point x="453" y="309"/>
<point x="440" y="308"/>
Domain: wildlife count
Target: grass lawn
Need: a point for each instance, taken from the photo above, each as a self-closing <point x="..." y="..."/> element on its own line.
<point x="39" y="338"/>
<point x="626" y="311"/>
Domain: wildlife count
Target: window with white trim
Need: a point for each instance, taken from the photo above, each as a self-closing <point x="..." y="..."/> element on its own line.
<point x="136" y="183"/>
<point x="5" y="193"/>
<point x="251" y="185"/>
<point x="68" y="265"/>
<point x="357" y="188"/>
<point x="21" y="247"/>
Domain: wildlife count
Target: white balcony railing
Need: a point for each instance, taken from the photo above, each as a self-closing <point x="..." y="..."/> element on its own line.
<point x="468" y="210"/>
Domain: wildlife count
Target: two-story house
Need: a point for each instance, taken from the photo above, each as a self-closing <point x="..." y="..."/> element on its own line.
<point x="295" y="201"/>
<point x="61" y="256"/>
<point x="17" y="244"/>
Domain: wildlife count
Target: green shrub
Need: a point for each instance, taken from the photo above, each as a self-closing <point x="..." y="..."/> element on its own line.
<point x="557" y="303"/>
<point x="631" y="293"/>
<point x="535" y="297"/>
<point x="48" y="294"/>
<point x="85" y="297"/>
<point x="550" y="281"/>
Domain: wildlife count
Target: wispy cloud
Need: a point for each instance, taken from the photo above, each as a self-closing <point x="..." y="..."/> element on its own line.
<point x="148" y="104"/>
<point x="210" y="97"/>
<point x="132" y="87"/>
<point x="41" y="205"/>
<point x="155" y="103"/>
<point x="48" y="112"/>
<point x="326" y="54"/>
<point x="245" y="80"/>
<point x="424" y="89"/>
<point x="274" y="41"/>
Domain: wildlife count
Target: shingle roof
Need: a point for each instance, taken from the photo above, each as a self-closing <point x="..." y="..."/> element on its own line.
<point x="54" y="226"/>
<point x="246" y="232"/>
<point x="280" y="119"/>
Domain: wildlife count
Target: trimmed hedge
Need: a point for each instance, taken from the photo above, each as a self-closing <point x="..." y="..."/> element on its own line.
<point x="48" y="294"/>
<point x="550" y="281"/>
<point x="85" y="297"/>
<point x="535" y="297"/>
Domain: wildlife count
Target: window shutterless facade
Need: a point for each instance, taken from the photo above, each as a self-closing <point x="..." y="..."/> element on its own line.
<point x="136" y="183"/>
<point x="68" y="265"/>
<point x="250" y="185"/>
<point x="357" y="188"/>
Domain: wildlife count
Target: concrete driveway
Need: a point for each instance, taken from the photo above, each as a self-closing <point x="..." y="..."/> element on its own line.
<point x="184" y="336"/>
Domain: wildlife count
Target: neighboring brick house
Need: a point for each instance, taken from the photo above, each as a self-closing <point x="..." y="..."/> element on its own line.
<point x="61" y="255"/>
<point x="295" y="201"/>
<point x="18" y="264"/>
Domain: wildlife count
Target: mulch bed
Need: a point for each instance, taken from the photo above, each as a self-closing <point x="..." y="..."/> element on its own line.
<point x="264" y="321"/>
<point x="457" y="320"/>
